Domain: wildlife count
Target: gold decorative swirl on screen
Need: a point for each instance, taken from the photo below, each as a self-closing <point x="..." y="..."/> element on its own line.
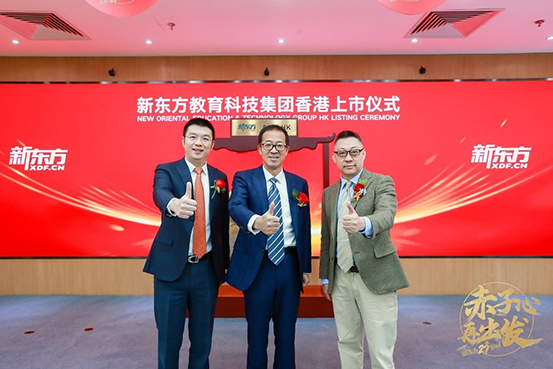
<point x="455" y="189"/>
<point x="118" y="205"/>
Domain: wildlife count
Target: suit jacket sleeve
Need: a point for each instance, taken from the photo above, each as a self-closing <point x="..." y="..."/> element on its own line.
<point x="325" y="240"/>
<point x="385" y="206"/>
<point x="239" y="206"/>
<point x="169" y="250"/>
<point x="163" y="188"/>
<point x="304" y="231"/>
<point x="223" y="215"/>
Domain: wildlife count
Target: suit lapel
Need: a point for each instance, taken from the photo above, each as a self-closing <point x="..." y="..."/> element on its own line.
<point x="260" y="187"/>
<point x="294" y="211"/>
<point x="211" y="178"/>
<point x="184" y="173"/>
<point x="367" y="176"/>
<point x="185" y="176"/>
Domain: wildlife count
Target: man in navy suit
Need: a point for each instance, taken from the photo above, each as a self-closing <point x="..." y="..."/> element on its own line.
<point x="271" y="260"/>
<point x="190" y="252"/>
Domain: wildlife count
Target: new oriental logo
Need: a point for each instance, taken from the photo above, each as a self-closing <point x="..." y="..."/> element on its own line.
<point x="37" y="159"/>
<point x="497" y="157"/>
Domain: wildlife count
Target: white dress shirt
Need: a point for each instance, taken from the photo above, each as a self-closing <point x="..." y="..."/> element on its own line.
<point x="288" y="228"/>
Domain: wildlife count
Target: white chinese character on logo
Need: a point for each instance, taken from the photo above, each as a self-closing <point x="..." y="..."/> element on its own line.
<point x="232" y="103"/>
<point x="18" y="155"/>
<point x="356" y="104"/>
<point x="249" y="104"/>
<point x="303" y="104"/>
<point x="285" y="104"/>
<point x="215" y="104"/>
<point x="321" y="104"/>
<point x="339" y="103"/>
<point x="390" y="103"/>
<point x="162" y="105"/>
<point x="144" y="106"/>
<point x="373" y="104"/>
<point x="197" y="105"/>
<point x="268" y="104"/>
<point x="180" y="103"/>
<point x="480" y="153"/>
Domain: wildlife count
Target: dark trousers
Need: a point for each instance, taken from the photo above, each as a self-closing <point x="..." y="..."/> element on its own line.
<point x="196" y="291"/>
<point x="274" y="294"/>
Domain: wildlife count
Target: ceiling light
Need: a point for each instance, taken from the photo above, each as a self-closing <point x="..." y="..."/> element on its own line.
<point x="149" y="42"/>
<point x="281" y="41"/>
<point x="550" y="38"/>
<point x="414" y="40"/>
<point x="15" y="42"/>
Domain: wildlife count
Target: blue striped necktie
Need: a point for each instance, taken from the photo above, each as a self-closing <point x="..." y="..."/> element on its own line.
<point x="275" y="242"/>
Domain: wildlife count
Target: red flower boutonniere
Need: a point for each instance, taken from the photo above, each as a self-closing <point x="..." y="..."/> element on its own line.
<point x="300" y="197"/>
<point x="219" y="186"/>
<point x="359" y="190"/>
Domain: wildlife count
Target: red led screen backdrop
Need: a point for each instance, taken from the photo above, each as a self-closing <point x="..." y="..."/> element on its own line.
<point x="472" y="161"/>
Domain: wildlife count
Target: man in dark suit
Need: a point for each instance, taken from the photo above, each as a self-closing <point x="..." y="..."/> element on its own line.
<point x="359" y="266"/>
<point x="191" y="249"/>
<point x="271" y="260"/>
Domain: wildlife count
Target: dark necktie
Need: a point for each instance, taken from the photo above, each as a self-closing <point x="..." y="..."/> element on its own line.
<point x="275" y="242"/>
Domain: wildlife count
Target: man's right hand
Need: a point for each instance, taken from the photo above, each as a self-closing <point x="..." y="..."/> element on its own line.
<point x="186" y="205"/>
<point x="267" y="223"/>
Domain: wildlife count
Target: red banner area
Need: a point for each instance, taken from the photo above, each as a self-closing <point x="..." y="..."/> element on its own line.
<point x="471" y="160"/>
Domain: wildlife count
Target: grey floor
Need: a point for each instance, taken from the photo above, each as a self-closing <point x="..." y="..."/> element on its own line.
<point x="119" y="332"/>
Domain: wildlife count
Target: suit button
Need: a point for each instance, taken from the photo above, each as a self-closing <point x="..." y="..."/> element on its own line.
<point x="262" y="251"/>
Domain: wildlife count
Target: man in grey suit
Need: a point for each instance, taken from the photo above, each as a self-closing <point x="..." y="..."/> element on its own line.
<point x="359" y="268"/>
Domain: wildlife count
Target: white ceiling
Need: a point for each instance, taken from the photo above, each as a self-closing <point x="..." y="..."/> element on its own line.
<point x="253" y="27"/>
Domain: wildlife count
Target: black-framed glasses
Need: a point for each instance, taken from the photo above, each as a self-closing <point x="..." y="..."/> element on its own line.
<point x="267" y="146"/>
<point x="344" y="153"/>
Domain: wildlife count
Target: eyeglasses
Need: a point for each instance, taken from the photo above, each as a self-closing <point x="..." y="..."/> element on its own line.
<point x="267" y="146"/>
<point x="344" y="153"/>
<point x="193" y="138"/>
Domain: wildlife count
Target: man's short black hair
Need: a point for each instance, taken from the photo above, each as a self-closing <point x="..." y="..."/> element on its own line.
<point x="199" y="122"/>
<point x="273" y="127"/>
<point x="347" y="134"/>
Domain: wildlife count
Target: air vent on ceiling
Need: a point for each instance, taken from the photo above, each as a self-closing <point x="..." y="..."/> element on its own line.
<point x="40" y="26"/>
<point x="452" y="23"/>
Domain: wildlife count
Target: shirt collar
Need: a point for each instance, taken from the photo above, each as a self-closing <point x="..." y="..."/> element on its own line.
<point x="354" y="180"/>
<point x="280" y="176"/>
<point x="191" y="166"/>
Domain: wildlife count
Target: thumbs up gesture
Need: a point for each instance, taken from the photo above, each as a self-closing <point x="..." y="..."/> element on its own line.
<point x="352" y="222"/>
<point x="267" y="223"/>
<point x="186" y="205"/>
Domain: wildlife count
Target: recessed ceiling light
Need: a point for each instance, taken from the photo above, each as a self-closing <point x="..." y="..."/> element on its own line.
<point x="281" y="41"/>
<point x="550" y="38"/>
<point x="149" y="42"/>
<point x="16" y="42"/>
<point x="414" y="40"/>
